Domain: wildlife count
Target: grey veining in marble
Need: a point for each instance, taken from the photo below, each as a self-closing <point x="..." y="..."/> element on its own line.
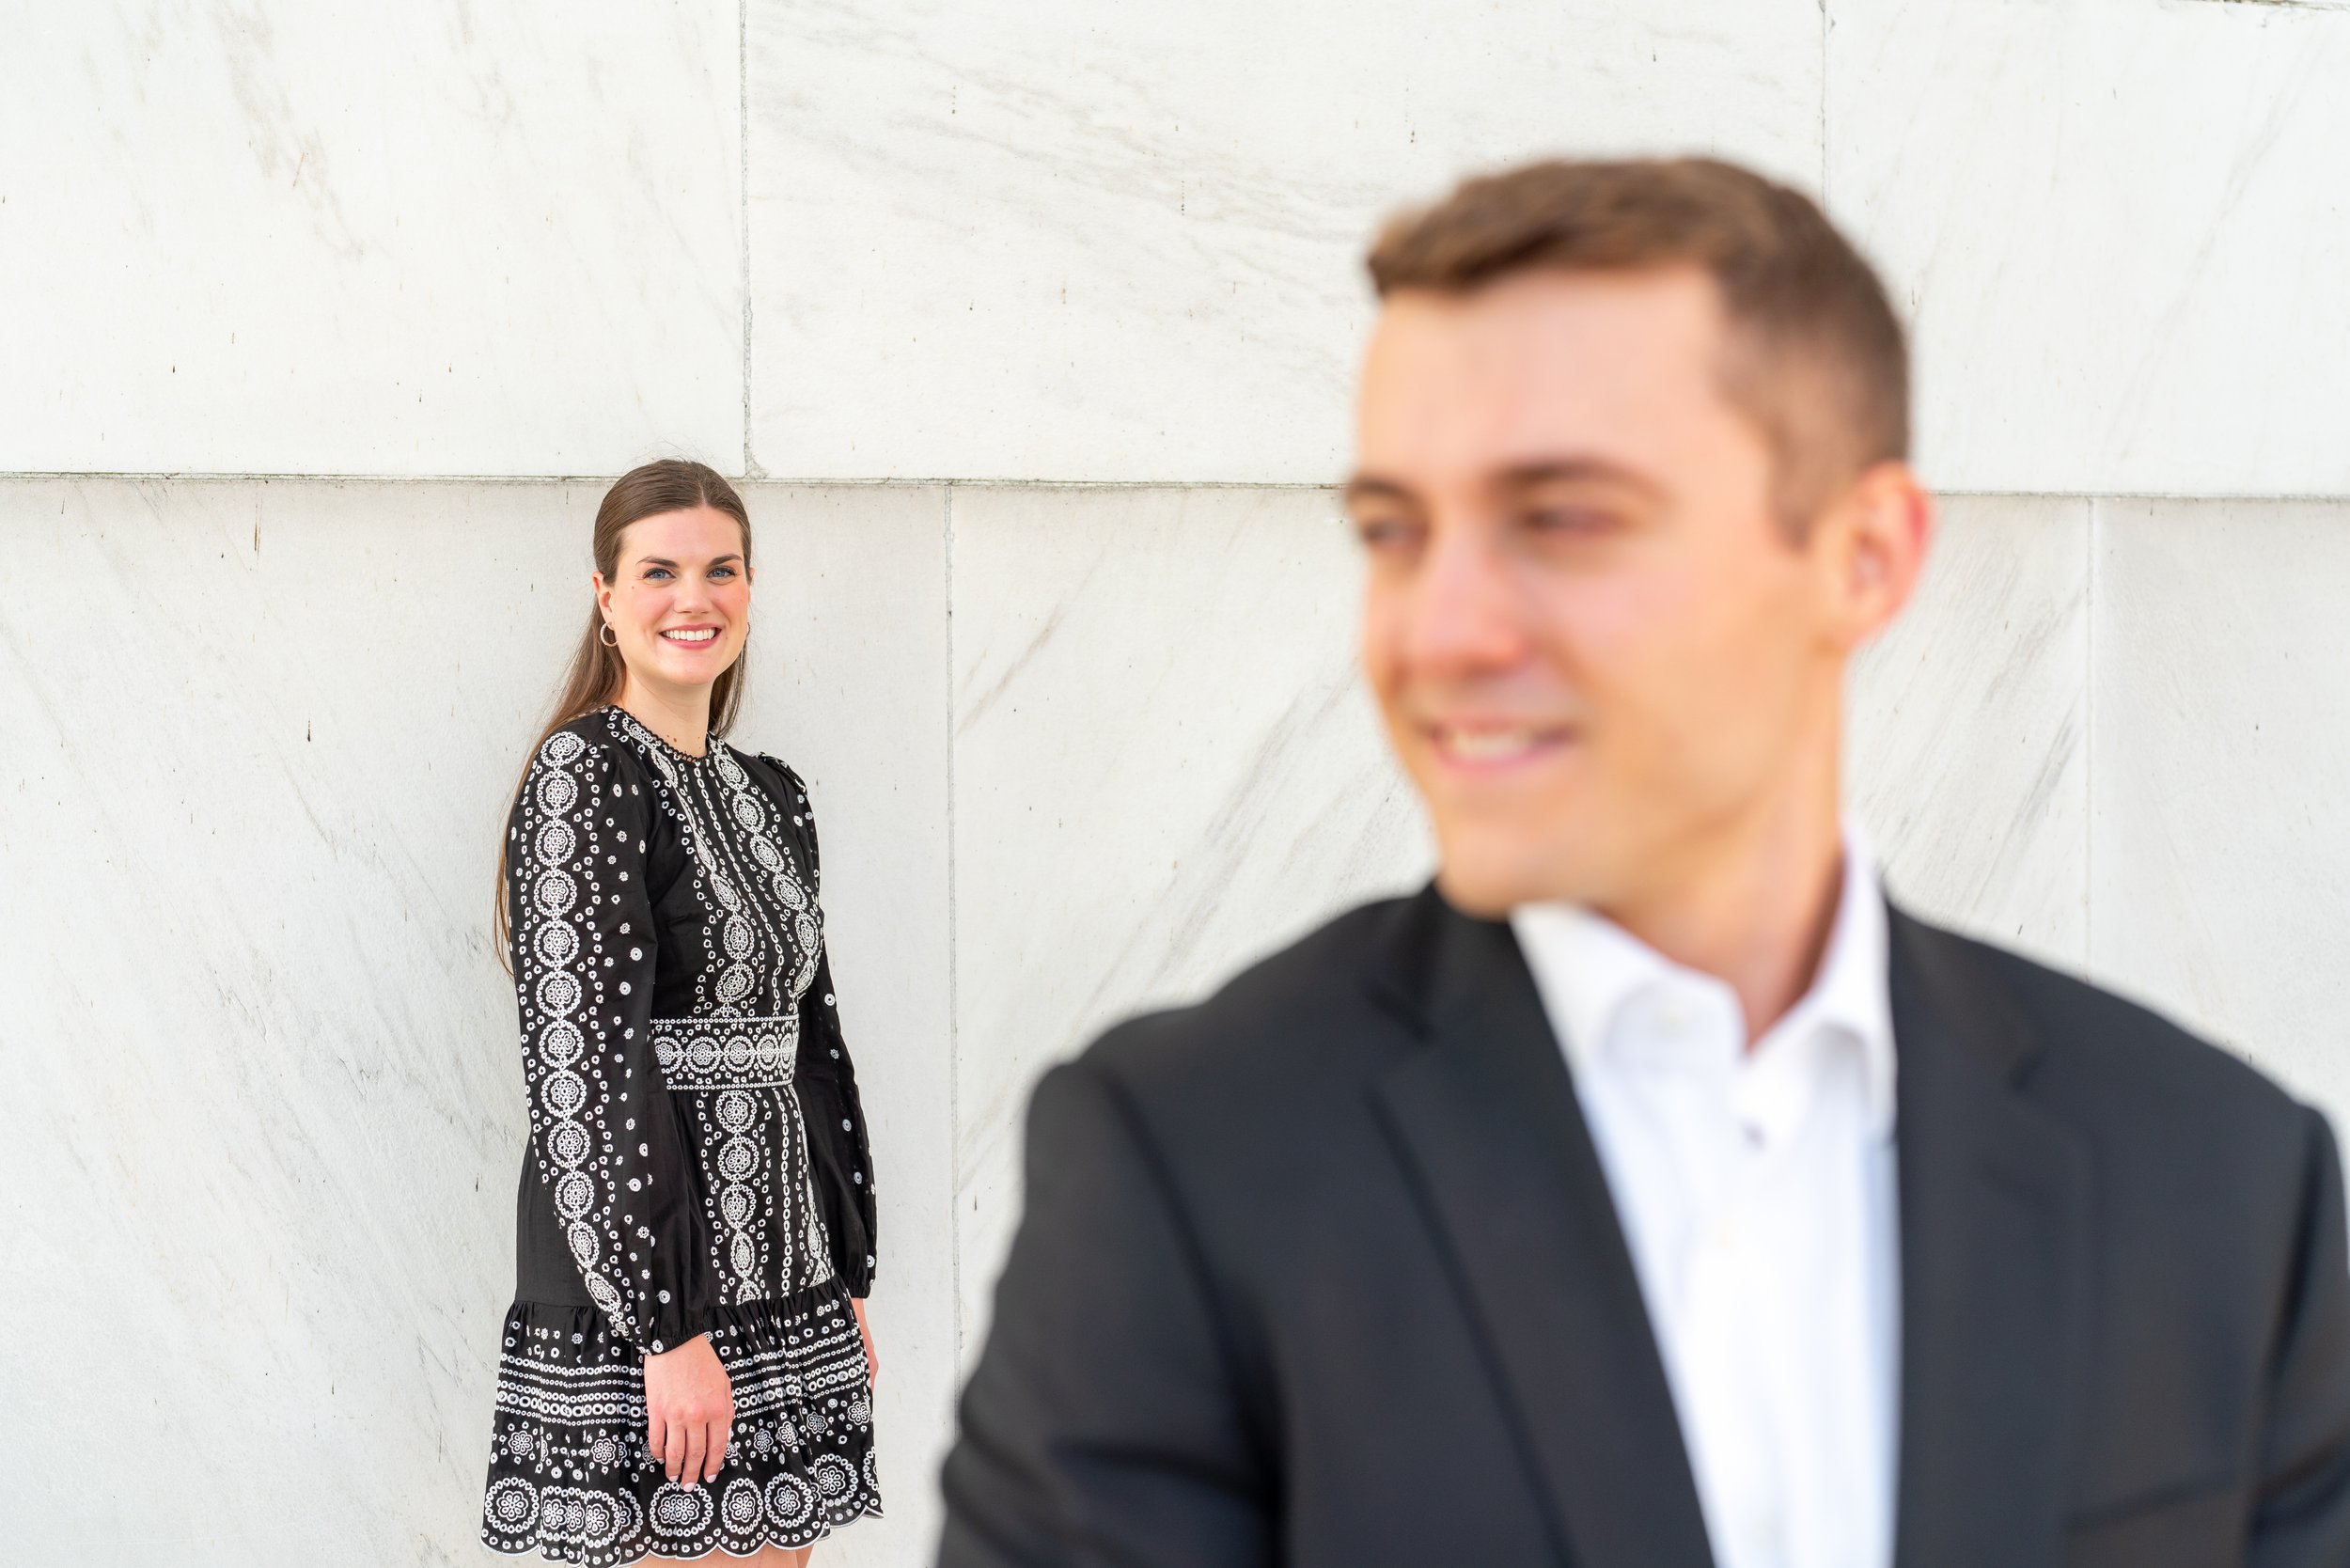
<point x="2119" y="229"/>
<point x="1077" y="750"/>
<point x="1032" y="238"/>
<point x="1968" y="753"/>
<point x="266" y="1116"/>
<point x="430" y="238"/>
<point x="1163" y="767"/>
<point x="2220" y="885"/>
<point x="269" y="1114"/>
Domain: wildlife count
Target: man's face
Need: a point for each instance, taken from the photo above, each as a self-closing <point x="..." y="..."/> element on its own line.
<point x="1598" y="653"/>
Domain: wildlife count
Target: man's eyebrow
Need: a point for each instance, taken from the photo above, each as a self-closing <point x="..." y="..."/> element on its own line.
<point x="1368" y="487"/>
<point x="1527" y="476"/>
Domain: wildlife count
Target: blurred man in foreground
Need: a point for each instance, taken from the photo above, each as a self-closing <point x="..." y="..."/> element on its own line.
<point x="1648" y="1192"/>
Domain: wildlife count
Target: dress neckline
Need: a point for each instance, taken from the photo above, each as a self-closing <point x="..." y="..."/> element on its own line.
<point x="710" y="741"/>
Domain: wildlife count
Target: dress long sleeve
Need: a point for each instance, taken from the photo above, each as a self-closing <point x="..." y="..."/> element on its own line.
<point x="827" y="1080"/>
<point x="607" y="1138"/>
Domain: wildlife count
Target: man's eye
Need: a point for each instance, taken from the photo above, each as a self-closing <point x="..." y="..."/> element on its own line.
<point x="1566" y="520"/>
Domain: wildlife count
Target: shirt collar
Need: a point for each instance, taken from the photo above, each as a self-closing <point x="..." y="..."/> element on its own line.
<point x="1586" y="968"/>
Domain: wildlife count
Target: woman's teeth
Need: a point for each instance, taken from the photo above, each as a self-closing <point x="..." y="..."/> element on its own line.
<point x="701" y="633"/>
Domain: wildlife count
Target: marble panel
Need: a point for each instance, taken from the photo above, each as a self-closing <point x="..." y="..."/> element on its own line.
<point x="1968" y="754"/>
<point x="1165" y="766"/>
<point x="2220" y="867"/>
<point x="265" y="1114"/>
<point x="1055" y="240"/>
<point x="418" y="239"/>
<point x="2118" y="230"/>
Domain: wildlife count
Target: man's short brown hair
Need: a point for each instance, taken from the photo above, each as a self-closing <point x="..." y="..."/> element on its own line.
<point x="1817" y="358"/>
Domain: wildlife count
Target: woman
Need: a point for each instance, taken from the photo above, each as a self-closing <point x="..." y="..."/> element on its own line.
<point x="686" y="1366"/>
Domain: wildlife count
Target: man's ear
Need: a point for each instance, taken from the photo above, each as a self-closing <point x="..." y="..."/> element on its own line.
<point x="1878" y="534"/>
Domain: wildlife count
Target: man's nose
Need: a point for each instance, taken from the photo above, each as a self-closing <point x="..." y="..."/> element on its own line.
<point x="1467" y="614"/>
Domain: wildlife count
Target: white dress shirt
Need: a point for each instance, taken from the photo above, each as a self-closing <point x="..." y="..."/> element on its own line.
<point x="1756" y="1188"/>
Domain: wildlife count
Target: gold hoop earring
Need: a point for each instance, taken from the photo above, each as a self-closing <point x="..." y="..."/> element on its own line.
<point x="607" y="637"/>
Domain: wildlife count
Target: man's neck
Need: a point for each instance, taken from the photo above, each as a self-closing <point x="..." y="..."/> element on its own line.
<point x="1754" y="909"/>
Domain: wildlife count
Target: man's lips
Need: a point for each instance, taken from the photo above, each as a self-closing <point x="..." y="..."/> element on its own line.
<point x="1493" y="746"/>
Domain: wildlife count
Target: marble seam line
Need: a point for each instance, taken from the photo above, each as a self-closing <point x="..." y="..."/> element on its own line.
<point x="51" y="476"/>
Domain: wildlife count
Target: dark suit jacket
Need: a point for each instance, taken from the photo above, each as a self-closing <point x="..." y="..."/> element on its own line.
<point x="1324" y="1272"/>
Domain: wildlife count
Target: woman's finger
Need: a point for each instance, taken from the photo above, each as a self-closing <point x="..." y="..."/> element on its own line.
<point x="673" y="1451"/>
<point x="719" y="1437"/>
<point x="696" y="1441"/>
<point x="657" y="1436"/>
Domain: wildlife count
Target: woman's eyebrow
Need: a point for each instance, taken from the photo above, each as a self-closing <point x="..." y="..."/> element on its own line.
<point x="663" y="560"/>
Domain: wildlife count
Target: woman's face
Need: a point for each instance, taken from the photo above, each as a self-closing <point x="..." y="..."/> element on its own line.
<point x="680" y="597"/>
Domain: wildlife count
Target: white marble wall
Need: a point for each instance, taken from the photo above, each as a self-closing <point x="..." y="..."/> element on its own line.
<point x="264" y="1118"/>
<point x="431" y="238"/>
<point x="2119" y="228"/>
<point x="1079" y="288"/>
<point x="1125" y="242"/>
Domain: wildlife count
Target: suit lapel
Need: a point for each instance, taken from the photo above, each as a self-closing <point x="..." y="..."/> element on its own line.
<point x="1485" y="1122"/>
<point x="1993" y="1240"/>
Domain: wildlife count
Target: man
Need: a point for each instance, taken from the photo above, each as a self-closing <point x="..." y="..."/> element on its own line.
<point x="1648" y="1192"/>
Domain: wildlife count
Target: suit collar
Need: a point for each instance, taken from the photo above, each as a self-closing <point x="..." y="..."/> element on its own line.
<point x="1591" y="973"/>
<point x="1994" y="1222"/>
<point x="1994" y="1216"/>
<point x="1484" y="1121"/>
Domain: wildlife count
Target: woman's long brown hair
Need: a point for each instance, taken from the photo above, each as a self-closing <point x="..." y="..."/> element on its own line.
<point x="597" y="673"/>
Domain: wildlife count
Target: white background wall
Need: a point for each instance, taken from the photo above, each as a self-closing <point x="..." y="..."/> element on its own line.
<point x="1031" y="325"/>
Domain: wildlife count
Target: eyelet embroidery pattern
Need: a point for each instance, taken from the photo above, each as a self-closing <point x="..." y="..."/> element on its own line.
<point x="570" y="1476"/>
<point x="618" y="1097"/>
<point x="792" y="951"/>
<point x="727" y="1053"/>
<point x="572" y="1076"/>
<point x="751" y="1144"/>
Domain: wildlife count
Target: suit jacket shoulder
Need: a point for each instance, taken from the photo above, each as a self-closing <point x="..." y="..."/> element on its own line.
<point x="2136" y="1084"/>
<point x="1291" y="1020"/>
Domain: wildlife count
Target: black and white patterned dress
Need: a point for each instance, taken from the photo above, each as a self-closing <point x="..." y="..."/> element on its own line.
<point x="697" y="1158"/>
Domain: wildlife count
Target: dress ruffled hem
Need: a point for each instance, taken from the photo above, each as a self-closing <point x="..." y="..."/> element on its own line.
<point x="569" y="1474"/>
<point x="663" y="1553"/>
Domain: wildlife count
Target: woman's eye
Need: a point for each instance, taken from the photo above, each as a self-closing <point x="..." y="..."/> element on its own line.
<point x="653" y="572"/>
<point x="722" y="572"/>
<point x="1383" y="533"/>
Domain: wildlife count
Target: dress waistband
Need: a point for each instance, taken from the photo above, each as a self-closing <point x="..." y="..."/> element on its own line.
<point x="727" y="1053"/>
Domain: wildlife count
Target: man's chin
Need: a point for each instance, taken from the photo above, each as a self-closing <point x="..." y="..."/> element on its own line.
<point x="1487" y="881"/>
